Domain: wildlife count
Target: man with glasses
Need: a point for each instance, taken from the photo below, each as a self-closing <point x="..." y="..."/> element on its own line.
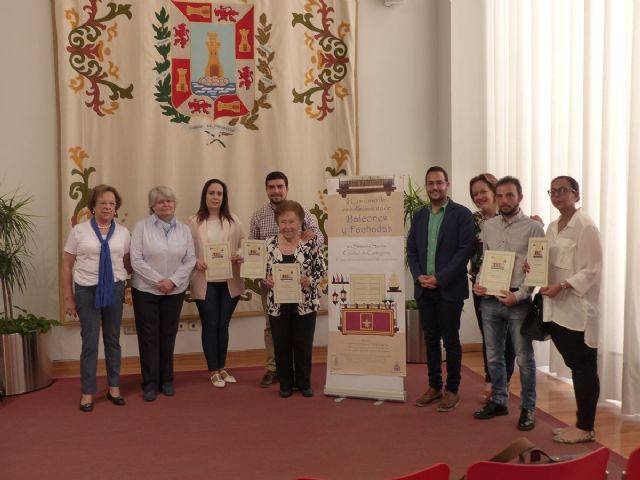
<point x="509" y="232"/>
<point x="439" y="245"/>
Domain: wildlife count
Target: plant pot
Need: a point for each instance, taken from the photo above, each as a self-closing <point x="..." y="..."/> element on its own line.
<point x="416" y="348"/>
<point x="24" y="363"/>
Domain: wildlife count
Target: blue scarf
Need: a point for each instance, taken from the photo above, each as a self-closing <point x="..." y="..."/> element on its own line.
<point x="105" y="290"/>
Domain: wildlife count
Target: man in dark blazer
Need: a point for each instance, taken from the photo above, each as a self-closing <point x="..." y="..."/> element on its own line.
<point x="439" y="245"/>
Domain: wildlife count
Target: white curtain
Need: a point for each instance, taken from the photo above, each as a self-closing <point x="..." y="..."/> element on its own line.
<point x="563" y="98"/>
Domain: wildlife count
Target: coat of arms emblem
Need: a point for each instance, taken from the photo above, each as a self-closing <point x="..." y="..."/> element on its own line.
<point x="212" y="59"/>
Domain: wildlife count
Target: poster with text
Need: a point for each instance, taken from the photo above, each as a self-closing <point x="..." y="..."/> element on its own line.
<point x="366" y="354"/>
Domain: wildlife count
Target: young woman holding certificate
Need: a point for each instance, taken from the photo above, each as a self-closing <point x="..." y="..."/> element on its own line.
<point x="95" y="266"/>
<point x="294" y="271"/>
<point x="215" y="282"/>
<point x="571" y="301"/>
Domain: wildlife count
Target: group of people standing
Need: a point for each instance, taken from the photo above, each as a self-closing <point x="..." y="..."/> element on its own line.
<point x="443" y="238"/>
<point x="165" y="257"/>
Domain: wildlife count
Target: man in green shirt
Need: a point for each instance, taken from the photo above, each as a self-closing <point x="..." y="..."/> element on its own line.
<point x="439" y="245"/>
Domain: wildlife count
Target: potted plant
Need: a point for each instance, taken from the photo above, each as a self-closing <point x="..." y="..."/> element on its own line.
<point x="413" y="201"/>
<point x="24" y="365"/>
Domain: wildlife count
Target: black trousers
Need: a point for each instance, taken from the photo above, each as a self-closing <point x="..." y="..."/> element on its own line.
<point x="583" y="362"/>
<point x="509" y="351"/>
<point x="293" y="346"/>
<point x="441" y="321"/>
<point x="157" y="318"/>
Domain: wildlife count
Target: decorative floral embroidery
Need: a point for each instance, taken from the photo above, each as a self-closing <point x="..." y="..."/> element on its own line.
<point x="328" y="62"/>
<point x="88" y="55"/>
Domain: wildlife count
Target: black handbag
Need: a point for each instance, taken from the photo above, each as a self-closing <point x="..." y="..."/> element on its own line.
<point x="533" y="326"/>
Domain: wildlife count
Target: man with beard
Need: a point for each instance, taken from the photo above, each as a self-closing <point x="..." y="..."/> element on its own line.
<point x="510" y="232"/>
<point x="439" y="245"/>
<point x="263" y="225"/>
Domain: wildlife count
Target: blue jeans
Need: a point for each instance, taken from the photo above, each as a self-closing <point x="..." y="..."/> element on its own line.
<point x="215" y="314"/>
<point x="90" y="320"/>
<point x="497" y="320"/>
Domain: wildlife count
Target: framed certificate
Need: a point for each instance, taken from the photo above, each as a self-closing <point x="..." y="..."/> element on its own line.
<point x="538" y="260"/>
<point x="286" y="280"/>
<point x="497" y="268"/>
<point x="218" y="258"/>
<point x="367" y="287"/>
<point x="254" y="253"/>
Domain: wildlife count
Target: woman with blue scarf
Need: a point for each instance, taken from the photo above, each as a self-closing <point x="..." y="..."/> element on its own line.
<point x="96" y="259"/>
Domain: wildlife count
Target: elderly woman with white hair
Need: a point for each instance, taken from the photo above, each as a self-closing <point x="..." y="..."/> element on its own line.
<point x="162" y="257"/>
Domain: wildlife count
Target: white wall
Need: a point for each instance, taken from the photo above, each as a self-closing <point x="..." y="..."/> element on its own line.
<point x="468" y="113"/>
<point x="419" y="105"/>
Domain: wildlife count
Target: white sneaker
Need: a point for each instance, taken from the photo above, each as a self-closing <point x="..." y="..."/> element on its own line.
<point x="227" y="377"/>
<point x="217" y="380"/>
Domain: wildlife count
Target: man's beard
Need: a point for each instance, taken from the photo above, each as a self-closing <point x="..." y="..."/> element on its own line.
<point x="509" y="211"/>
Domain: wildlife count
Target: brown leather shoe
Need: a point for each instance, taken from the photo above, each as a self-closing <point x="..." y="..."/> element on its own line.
<point x="449" y="401"/>
<point x="269" y="378"/>
<point x="430" y="396"/>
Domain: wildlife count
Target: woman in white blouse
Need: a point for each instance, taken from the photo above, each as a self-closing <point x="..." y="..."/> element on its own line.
<point x="216" y="300"/>
<point x="95" y="265"/>
<point x="162" y="257"/>
<point x="571" y="302"/>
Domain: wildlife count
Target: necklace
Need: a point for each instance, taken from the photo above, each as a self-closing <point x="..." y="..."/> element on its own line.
<point x="103" y="226"/>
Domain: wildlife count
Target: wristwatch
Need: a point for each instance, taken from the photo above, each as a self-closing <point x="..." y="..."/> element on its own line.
<point x="563" y="285"/>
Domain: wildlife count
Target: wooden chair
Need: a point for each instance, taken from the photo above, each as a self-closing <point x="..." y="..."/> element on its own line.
<point x="592" y="466"/>
<point x="633" y="466"/>
<point x="439" y="471"/>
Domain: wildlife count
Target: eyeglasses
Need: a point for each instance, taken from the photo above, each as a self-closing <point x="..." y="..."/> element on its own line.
<point x="438" y="183"/>
<point x="560" y="191"/>
<point x="107" y="204"/>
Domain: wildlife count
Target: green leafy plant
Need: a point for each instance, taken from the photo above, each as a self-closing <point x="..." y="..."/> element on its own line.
<point x="410" y="304"/>
<point x="413" y="201"/>
<point x="16" y="230"/>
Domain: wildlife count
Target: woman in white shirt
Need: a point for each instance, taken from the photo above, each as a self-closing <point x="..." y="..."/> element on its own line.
<point x="216" y="300"/>
<point x="571" y="302"/>
<point x="96" y="260"/>
<point x="162" y="257"/>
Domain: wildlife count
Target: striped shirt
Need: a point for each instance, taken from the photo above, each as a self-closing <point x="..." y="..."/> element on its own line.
<point x="263" y="224"/>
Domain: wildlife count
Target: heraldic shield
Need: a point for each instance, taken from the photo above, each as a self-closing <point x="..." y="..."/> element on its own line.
<point x="212" y="58"/>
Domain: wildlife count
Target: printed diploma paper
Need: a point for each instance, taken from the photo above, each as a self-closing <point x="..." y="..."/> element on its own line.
<point x="286" y="279"/>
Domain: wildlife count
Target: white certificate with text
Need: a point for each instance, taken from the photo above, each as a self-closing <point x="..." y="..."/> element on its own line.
<point x="286" y="283"/>
<point x="497" y="268"/>
<point x="254" y="253"/>
<point x="218" y="259"/>
<point x="538" y="260"/>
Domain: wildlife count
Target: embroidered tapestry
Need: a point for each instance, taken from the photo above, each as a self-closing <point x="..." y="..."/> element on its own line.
<point x="166" y="92"/>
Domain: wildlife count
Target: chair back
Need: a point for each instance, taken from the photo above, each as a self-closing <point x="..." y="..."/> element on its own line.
<point x="439" y="471"/>
<point x="592" y="466"/>
<point x="633" y="466"/>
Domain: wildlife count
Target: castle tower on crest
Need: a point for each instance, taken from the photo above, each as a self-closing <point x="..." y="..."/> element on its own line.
<point x="213" y="68"/>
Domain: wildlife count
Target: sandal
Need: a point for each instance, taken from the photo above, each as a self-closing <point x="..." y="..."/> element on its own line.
<point x="583" y="438"/>
<point x="217" y="380"/>
<point x="227" y="377"/>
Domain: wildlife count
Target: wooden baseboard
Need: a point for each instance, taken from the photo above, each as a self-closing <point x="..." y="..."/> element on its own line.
<point x="185" y="362"/>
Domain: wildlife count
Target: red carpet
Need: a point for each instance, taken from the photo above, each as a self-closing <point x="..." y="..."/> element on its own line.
<point x="245" y="432"/>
